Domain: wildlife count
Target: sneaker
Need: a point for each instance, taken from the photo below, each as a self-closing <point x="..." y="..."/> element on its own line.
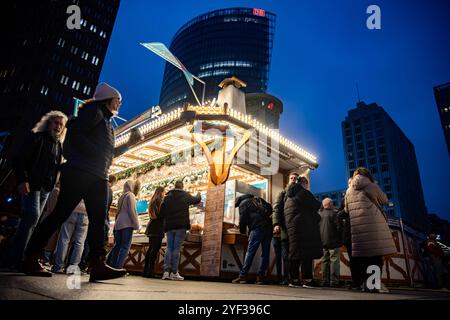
<point x="284" y="283"/>
<point x="176" y="276"/>
<point x="295" y="284"/>
<point x="310" y="284"/>
<point x="57" y="270"/>
<point x="165" y="276"/>
<point x="260" y="280"/>
<point x="73" y="269"/>
<point x="240" y="279"/>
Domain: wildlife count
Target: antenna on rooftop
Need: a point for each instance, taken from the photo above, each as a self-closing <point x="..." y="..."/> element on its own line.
<point x="357" y="91"/>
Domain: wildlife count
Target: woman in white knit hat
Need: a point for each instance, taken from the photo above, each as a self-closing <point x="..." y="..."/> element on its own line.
<point x="88" y="149"/>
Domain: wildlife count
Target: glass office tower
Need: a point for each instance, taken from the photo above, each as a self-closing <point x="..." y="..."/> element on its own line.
<point x="217" y="45"/>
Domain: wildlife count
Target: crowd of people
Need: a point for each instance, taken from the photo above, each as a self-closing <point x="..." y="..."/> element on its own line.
<point x="68" y="201"/>
<point x="304" y="229"/>
<point x="86" y="143"/>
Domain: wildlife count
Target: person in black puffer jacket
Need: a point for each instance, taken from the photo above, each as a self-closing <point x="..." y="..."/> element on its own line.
<point x="175" y="211"/>
<point x="88" y="149"/>
<point x="302" y="222"/>
<point x="256" y="215"/>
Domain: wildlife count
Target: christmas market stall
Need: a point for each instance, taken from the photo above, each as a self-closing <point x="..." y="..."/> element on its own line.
<point x="219" y="150"/>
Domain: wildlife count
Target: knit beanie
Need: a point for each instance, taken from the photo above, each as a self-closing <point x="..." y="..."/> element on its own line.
<point x="105" y="91"/>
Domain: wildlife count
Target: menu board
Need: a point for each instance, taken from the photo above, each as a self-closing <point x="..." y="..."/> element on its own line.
<point x="212" y="235"/>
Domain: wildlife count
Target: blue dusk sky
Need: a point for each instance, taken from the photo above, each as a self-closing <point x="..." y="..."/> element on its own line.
<point x="321" y="50"/>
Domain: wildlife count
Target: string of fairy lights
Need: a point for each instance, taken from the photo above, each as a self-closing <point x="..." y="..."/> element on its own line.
<point x="219" y="110"/>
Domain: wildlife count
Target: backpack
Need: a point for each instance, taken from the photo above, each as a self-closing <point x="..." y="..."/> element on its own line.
<point x="263" y="207"/>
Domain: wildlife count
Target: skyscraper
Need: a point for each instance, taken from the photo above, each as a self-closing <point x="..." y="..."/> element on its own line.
<point x="45" y="64"/>
<point x="217" y="45"/>
<point x="442" y="96"/>
<point x="373" y="140"/>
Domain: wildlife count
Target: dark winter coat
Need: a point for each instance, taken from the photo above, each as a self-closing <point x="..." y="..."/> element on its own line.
<point x="346" y="232"/>
<point x="278" y="218"/>
<point x="252" y="216"/>
<point x="38" y="161"/>
<point x="89" y="144"/>
<point x="330" y="229"/>
<point x="175" y="209"/>
<point x="302" y="222"/>
<point x="155" y="227"/>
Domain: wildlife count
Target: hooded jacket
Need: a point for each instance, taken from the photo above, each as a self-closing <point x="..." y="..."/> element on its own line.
<point x="126" y="209"/>
<point x="175" y="209"/>
<point x="251" y="216"/>
<point x="371" y="235"/>
<point x="302" y="223"/>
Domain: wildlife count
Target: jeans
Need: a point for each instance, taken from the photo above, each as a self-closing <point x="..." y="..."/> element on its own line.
<point x="172" y="257"/>
<point x="281" y="248"/>
<point x="154" y="244"/>
<point x="76" y="185"/>
<point x="32" y="207"/>
<point x="263" y="237"/>
<point x="122" y="245"/>
<point x="331" y="266"/>
<point x="76" y="225"/>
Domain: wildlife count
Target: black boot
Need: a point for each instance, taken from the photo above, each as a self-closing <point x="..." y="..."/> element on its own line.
<point x="32" y="266"/>
<point x="101" y="271"/>
<point x="148" y="272"/>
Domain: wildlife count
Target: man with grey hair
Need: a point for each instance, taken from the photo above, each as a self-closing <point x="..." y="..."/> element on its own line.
<point x="330" y="233"/>
<point x="36" y="167"/>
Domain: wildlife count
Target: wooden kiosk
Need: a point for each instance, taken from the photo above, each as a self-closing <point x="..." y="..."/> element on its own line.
<point x="219" y="151"/>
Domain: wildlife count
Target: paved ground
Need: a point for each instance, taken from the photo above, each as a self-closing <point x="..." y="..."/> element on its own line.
<point x="18" y="286"/>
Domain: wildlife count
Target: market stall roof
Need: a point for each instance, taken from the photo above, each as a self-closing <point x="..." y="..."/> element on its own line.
<point x="170" y="133"/>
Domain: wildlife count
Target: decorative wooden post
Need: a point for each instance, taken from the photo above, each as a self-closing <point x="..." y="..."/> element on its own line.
<point x="212" y="235"/>
<point x="219" y="170"/>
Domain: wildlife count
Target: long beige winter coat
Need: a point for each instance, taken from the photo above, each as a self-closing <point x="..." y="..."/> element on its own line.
<point x="371" y="235"/>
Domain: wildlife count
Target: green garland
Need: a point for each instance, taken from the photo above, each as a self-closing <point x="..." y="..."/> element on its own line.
<point x="168" y="160"/>
<point x="192" y="178"/>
